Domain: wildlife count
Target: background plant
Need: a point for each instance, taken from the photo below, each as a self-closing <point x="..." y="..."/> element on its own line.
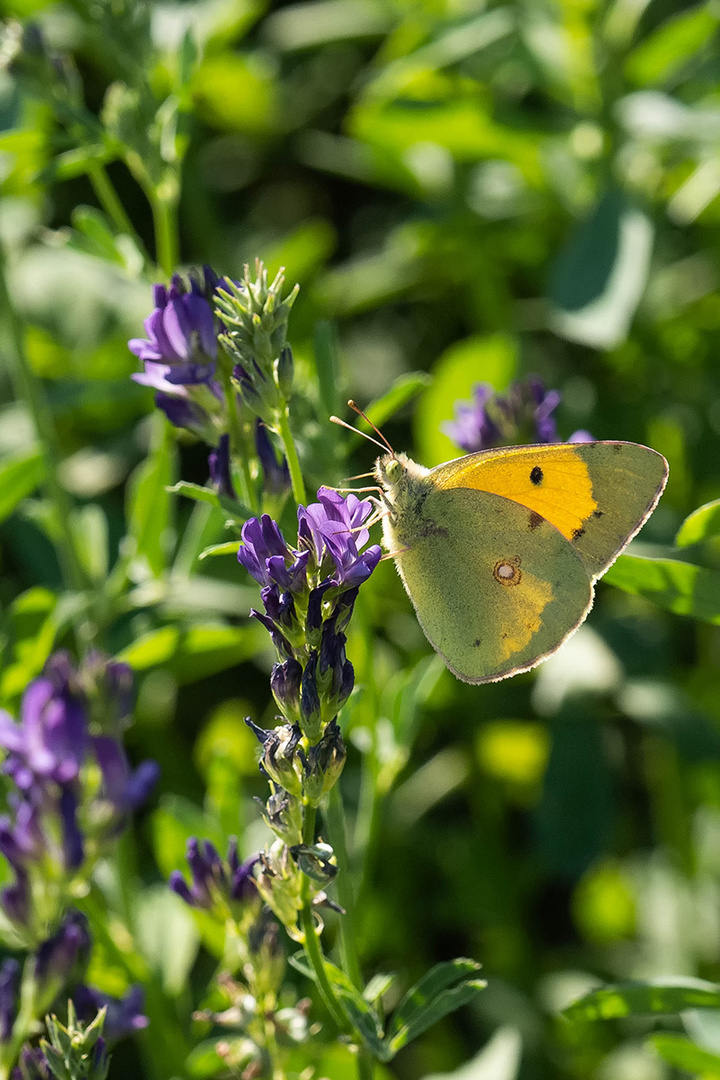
<point x="476" y="194"/>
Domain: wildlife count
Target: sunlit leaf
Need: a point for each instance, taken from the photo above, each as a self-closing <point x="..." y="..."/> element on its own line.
<point x="684" y="1054"/>
<point x="680" y="587"/>
<point x="701" y="524"/>
<point x="660" y="56"/>
<point x="443" y="989"/>
<point x="19" y="476"/>
<point x="599" y="276"/>
<point x="148" y="507"/>
<point x="661" y="996"/>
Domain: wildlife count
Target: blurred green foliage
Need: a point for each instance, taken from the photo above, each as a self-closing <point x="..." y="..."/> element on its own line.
<point x="465" y="193"/>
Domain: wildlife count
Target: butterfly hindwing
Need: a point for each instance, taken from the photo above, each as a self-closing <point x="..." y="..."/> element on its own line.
<point x="596" y="494"/>
<point x="493" y="595"/>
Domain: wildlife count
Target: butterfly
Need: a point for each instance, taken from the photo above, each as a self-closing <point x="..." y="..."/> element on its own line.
<point x="500" y="550"/>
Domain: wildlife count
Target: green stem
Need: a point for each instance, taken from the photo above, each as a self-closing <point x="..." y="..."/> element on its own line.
<point x="237" y="440"/>
<point x="296" y="477"/>
<point x="335" y="821"/>
<point x="164" y="212"/>
<point x="311" y="941"/>
<point x="111" y="204"/>
<point x="29" y="389"/>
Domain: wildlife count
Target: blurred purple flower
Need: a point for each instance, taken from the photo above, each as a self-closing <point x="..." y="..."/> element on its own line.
<point x="33" y="1065"/>
<point x="9" y="995"/>
<point x="125" y="789"/>
<point x="522" y="415"/>
<point x="124" y="1015"/>
<point x="212" y="877"/>
<point x="276" y="474"/>
<point x="58" y="955"/>
<point x="51" y="739"/>
<point x="219" y="467"/>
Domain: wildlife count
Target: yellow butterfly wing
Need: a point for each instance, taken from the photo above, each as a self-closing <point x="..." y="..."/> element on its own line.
<point x="492" y="596"/>
<point x="597" y="495"/>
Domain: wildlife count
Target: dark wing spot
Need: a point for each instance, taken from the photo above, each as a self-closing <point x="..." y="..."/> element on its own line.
<point x="617" y="447"/>
<point x="577" y="533"/>
<point x="535" y="519"/>
<point x="476" y="642"/>
<point x="597" y="513"/>
<point x="536" y="475"/>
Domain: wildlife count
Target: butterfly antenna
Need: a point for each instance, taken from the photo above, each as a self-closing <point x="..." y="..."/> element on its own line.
<point x="356" y="431"/>
<point x="356" y="408"/>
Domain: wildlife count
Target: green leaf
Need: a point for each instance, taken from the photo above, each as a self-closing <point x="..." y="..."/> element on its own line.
<point x="679" y="1051"/>
<point x="491" y="358"/>
<point x="662" y="54"/>
<point x="168" y="936"/>
<point x="678" y="586"/>
<point x="325" y="351"/>
<point x="19" y="476"/>
<point x="404" y="389"/>
<point x="666" y="996"/>
<point x="229" y="548"/>
<point x="236" y="510"/>
<point x="443" y="989"/>
<point x="361" y="1014"/>
<point x="148" y="510"/>
<point x="701" y="524"/>
<point x="600" y="275"/>
<point x="191" y="653"/>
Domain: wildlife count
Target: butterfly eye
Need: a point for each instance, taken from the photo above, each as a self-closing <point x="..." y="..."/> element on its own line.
<point x="393" y="470"/>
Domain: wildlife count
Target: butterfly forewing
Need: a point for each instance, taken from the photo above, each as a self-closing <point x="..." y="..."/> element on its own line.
<point x="596" y="494"/>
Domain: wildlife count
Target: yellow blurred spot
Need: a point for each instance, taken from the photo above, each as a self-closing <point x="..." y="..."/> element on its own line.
<point x="604" y="905"/>
<point x="514" y="751"/>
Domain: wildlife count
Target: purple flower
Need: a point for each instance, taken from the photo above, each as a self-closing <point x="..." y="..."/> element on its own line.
<point x="219" y="467"/>
<point x="276" y="474"/>
<point x="266" y="556"/>
<point x="124" y="1015"/>
<point x="334" y="525"/>
<point x="33" y="1065"/>
<point x="51" y="740"/>
<point x="181" y="330"/>
<point x="523" y="415"/>
<point x="9" y="996"/>
<point x="15" y="899"/>
<point x="212" y="877"/>
<point x="127" y="790"/>
<point x="473" y="428"/>
<point x="58" y="955"/>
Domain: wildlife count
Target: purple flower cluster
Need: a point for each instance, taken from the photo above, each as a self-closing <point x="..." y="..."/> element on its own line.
<point x="47" y="753"/>
<point x="180" y="355"/>
<point x="523" y="415"/>
<point x="309" y="593"/>
<point x="215" y="880"/>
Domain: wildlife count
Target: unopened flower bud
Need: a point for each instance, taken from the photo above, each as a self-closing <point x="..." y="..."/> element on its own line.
<point x="283" y="813"/>
<point x="279" y="759"/>
<point x="311" y="718"/>
<point x="284" y="371"/>
<point x="323" y="764"/>
<point x="279" y="884"/>
<point x="285" y="681"/>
